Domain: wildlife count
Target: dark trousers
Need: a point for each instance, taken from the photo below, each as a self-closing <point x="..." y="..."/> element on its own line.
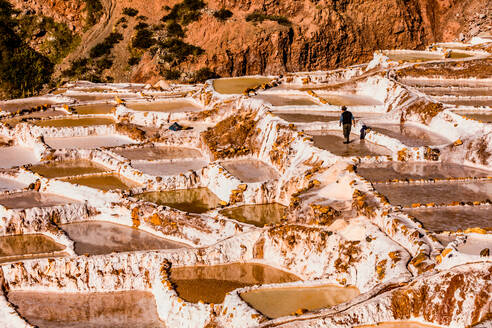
<point x="346" y="131"/>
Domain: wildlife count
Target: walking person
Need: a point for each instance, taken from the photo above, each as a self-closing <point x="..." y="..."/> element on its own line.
<point x="347" y="119"/>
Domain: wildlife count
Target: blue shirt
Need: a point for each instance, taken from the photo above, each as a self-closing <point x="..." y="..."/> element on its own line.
<point x="346" y="117"/>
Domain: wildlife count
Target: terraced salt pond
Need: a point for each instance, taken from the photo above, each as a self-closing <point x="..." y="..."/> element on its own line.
<point x="7" y="184"/>
<point x="413" y="56"/>
<point x="18" y="247"/>
<point x="99" y="97"/>
<point x="88" y="142"/>
<point x="347" y="99"/>
<point x="410" y="135"/>
<point x="98" y="237"/>
<point x="211" y="283"/>
<point x="398" y="324"/>
<point x="104" y="182"/>
<point x="299" y="117"/>
<point x="13" y="106"/>
<point x="67" y="168"/>
<point x="153" y="153"/>
<point x="417" y="170"/>
<point x="16" y="156"/>
<point x="238" y="85"/>
<point x="171" y="168"/>
<point x="279" y="302"/>
<point x="74" y="122"/>
<point x="13" y="121"/>
<point x="453" y="218"/>
<point x="288" y="100"/>
<point x="468" y="102"/>
<point x="258" y="215"/>
<point x="485" y="117"/>
<point x="196" y="200"/>
<point x="102" y="108"/>
<point x="136" y="309"/>
<point x="438" y="193"/>
<point x="174" y="106"/>
<point x="333" y="142"/>
<point x="30" y="199"/>
<point x="250" y="170"/>
<point x="456" y="92"/>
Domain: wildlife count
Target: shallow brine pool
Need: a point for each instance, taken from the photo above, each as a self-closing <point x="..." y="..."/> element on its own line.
<point x="410" y="135"/>
<point x="211" y="283"/>
<point x="333" y="142"/>
<point x="75" y="122"/>
<point x="196" y="200"/>
<point x="280" y="302"/>
<point x="89" y="142"/>
<point x="176" y="106"/>
<point x="30" y="199"/>
<point x="67" y="168"/>
<point x="258" y="215"/>
<point x="158" y="152"/>
<point x="238" y="85"/>
<point x="98" y="237"/>
<point x="18" y="247"/>
<point x="16" y="156"/>
<point x="128" y="309"/>
<point x="250" y="170"/>
<point x="438" y="193"/>
<point x="104" y="182"/>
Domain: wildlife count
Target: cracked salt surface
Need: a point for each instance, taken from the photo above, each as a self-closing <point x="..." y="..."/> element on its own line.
<point x="99" y="237"/>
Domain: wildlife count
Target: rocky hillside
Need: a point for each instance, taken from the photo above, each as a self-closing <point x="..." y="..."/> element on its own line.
<point x="191" y="40"/>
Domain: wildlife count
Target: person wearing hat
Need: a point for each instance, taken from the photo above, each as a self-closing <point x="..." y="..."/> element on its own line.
<point x="347" y="119"/>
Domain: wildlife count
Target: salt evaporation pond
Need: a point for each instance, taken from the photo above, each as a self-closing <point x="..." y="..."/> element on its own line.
<point x="13" y="121"/>
<point x="158" y="152"/>
<point x="104" y="182"/>
<point x="485" y="117"/>
<point x="74" y="122"/>
<point x="410" y="135"/>
<point x="89" y="142"/>
<point x="175" y="106"/>
<point x="250" y="170"/>
<point x="258" y="215"/>
<point x="67" y="168"/>
<point x="336" y="99"/>
<point x="333" y="142"/>
<point x="99" y="97"/>
<point x="453" y="218"/>
<point x="287" y="100"/>
<point x="473" y="244"/>
<point x="128" y="309"/>
<point x="237" y="85"/>
<point x="196" y="200"/>
<point x="16" y="156"/>
<point x="398" y="324"/>
<point x="13" y="106"/>
<point x="7" y="184"/>
<point x="30" y="199"/>
<point x="417" y="170"/>
<point x="468" y="102"/>
<point x="18" y="247"/>
<point x="169" y="168"/>
<point x="438" y="193"/>
<point x="101" y="108"/>
<point x="307" y="118"/>
<point x="99" y="237"/>
<point x="457" y="92"/>
<point x="211" y="283"/>
<point x="413" y="56"/>
<point x="279" y="302"/>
